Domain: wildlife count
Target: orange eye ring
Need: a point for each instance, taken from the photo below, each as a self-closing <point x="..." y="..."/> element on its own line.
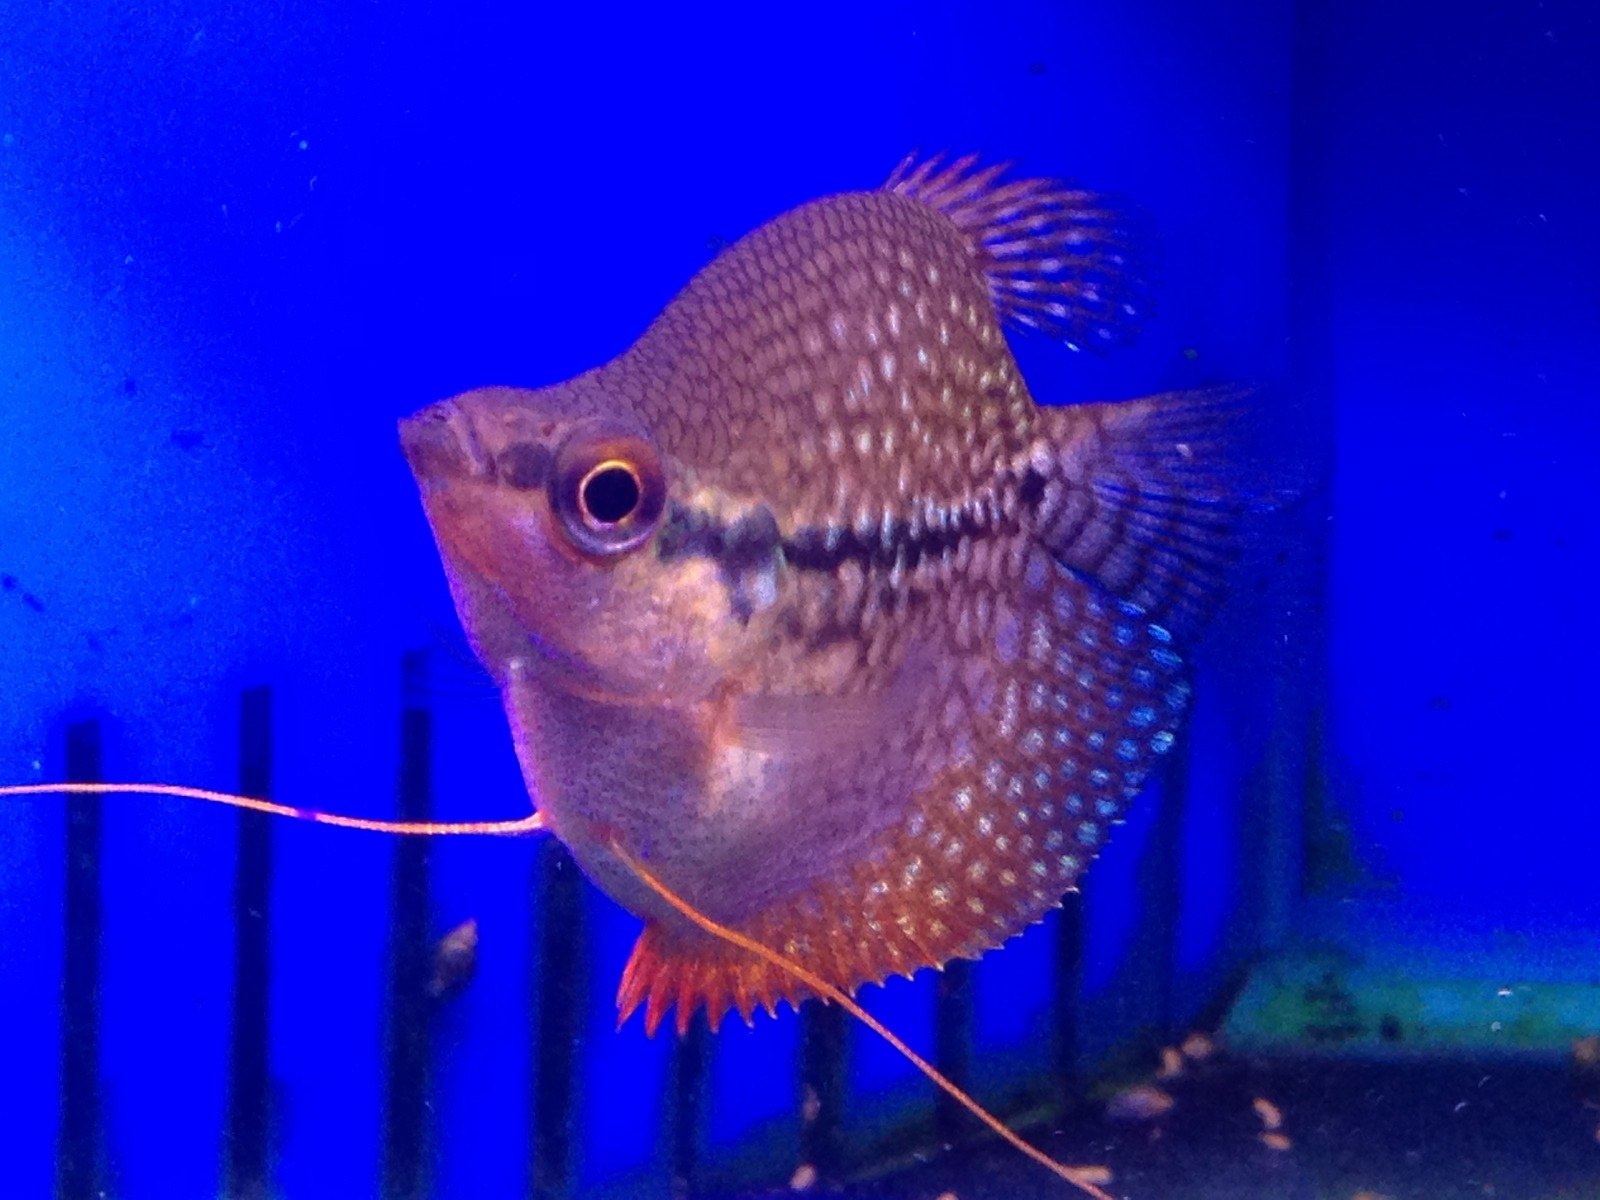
<point x="608" y="490"/>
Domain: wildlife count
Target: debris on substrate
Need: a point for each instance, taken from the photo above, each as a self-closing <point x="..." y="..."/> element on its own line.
<point x="1312" y="1130"/>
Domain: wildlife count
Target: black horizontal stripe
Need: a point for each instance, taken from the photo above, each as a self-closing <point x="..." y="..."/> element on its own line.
<point x="751" y="539"/>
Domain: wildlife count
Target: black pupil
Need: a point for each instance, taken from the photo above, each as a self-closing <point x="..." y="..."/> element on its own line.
<point x="610" y="495"/>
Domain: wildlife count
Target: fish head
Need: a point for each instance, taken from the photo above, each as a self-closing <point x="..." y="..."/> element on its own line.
<point x="544" y="504"/>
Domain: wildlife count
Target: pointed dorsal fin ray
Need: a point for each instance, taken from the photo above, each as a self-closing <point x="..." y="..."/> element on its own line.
<point x="1056" y="258"/>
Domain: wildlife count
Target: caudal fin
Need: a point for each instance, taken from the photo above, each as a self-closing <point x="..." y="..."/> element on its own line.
<point x="1153" y="498"/>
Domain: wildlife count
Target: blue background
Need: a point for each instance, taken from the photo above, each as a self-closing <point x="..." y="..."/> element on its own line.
<point x="238" y="241"/>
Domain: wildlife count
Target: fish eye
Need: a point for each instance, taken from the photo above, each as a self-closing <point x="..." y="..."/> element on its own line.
<point x="608" y="491"/>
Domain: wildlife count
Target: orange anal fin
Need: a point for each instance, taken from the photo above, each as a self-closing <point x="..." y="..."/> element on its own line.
<point x="651" y="970"/>
<point x="660" y="981"/>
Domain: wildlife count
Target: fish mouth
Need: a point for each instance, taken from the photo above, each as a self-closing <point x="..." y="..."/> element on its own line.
<point x="442" y="446"/>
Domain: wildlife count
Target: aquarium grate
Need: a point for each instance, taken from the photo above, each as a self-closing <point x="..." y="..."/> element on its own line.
<point x="821" y="1139"/>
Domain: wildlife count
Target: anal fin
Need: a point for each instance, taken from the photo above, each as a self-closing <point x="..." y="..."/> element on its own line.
<point x="694" y="972"/>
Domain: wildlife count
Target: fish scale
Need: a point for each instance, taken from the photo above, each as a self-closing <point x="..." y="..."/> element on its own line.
<point x="803" y="602"/>
<point x="828" y="341"/>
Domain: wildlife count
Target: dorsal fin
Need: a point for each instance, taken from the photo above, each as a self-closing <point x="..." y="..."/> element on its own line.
<point x="1056" y="258"/>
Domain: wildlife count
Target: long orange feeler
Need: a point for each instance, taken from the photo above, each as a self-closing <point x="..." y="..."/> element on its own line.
<point x="1085" y="1178"/>
<point x="532" y="823"/>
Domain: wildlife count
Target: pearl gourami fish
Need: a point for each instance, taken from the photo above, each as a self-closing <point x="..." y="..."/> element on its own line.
<point x="805" y="602"/>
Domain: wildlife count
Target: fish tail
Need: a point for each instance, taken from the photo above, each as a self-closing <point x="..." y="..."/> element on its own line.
<point x="1152" y="498"/>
